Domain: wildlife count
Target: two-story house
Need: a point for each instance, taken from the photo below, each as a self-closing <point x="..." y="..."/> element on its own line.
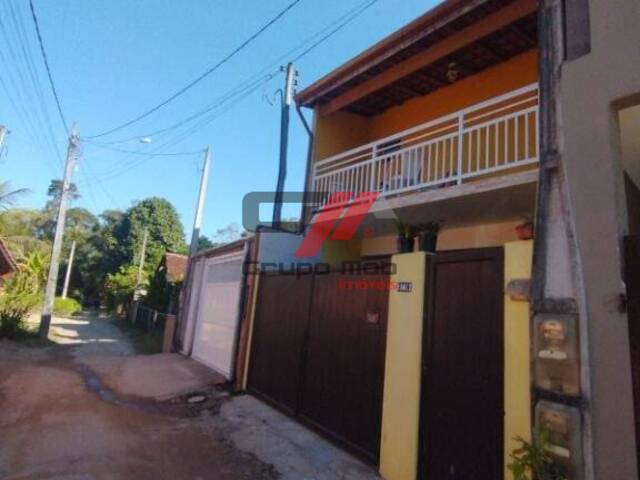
<point x="422" y="369"/>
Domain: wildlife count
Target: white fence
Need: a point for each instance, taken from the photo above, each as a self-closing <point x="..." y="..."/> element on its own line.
<point x="495" y="135"/>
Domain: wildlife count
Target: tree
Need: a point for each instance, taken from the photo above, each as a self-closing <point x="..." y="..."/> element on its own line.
<point x="54" y="192"/>
<point x="229" y="234"/>
<point x="166" y="233"/>
<point x="8" y="196"/>
<point x="205" y="243"/>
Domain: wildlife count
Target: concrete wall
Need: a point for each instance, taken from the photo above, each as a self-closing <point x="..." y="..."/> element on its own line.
<point x="402" y="387"/>
<point x="401" y="402"/>
<point x="592" y="89"/>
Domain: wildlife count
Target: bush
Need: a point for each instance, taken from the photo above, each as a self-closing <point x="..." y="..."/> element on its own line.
<point x="66" y="307"/>
<point x="14" y="308"/>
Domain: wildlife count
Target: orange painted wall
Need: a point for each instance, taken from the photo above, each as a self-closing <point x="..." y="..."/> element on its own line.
<point x="342" y="130"/>
<point x="502" y="78"/>
<point x="339" y="132"/>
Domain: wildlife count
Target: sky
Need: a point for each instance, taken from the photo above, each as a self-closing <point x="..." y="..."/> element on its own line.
<point x="112" y="60"/>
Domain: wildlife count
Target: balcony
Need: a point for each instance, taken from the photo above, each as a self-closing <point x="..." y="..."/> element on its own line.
<point x="493" y="138"/>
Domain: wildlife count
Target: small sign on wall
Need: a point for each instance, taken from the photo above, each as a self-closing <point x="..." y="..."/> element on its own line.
<point x="405" y="287"/>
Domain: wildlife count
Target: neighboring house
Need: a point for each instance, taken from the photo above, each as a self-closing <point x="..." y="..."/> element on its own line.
<point x="165" y="285"/>
<point x="213" y="307"/>
<point x="175" y="266"/>
<point x="421" y="362"/>
<point x="421" y="367"/>
<point x="8" y="265"/>
<point x="586" y="268"/>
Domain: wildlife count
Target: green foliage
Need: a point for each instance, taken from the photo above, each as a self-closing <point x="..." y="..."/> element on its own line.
<point x="405" y="230"/>
<point x="432" y="227"/>
<point x="8" y="196"/>
<point x="533" y="460"/>
<point x="161" y="219"/>
<point x="54" y="192"/>
<point x="107" y="246"/>
<point x="162" y="295"/>
<point x="21" y="294"/>
<point x="120" y="286"/>
<point x="66" y="307"/>
<point x="205" y="243"/>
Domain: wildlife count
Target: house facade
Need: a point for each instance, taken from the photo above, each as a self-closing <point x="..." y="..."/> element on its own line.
<point x="427" y="377"/>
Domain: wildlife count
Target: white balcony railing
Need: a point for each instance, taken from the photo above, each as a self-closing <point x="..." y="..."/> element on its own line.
<point x="492" y="136"/>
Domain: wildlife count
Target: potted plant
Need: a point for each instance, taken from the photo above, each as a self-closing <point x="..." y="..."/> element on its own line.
<point x="406" y="233"/>
<point x="532" y="460"/>
<point x="525" y="229"/>
<point x="429" y="235"/>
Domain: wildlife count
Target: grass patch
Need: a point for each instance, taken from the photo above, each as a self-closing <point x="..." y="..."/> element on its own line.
<point x="66" y="307"/>
<point x="144" y="343"/>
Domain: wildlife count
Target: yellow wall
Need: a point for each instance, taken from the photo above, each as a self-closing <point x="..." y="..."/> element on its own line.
<point x="338" y="251"/>
<point x="401" y="403"/>
<point x="517" y="401"/>
<point x="452" y="238"/>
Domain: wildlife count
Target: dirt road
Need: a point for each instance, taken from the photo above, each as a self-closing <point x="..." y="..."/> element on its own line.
<point x="84" y="409"/>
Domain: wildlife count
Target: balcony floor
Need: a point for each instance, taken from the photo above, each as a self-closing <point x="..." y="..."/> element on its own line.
<point x="505" y="197"/>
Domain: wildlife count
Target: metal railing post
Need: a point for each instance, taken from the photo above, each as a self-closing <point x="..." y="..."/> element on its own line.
<point x="460" y="146"/>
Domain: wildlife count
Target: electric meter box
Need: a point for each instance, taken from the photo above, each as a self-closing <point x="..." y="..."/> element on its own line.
<point x="564" y="429"/>
<point x="556" y="354"/>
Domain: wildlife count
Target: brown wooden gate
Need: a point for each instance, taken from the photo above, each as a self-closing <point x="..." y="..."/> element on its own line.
<point x="461" y="421"/>
<point x="632" y="280"/>
<point x="318" y="350"/>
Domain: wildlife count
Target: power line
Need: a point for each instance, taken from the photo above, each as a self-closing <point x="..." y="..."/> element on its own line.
<point x="25" y="47"/>
<point x="359" y="10"/>
<point x="46" y="64"/>
<point x="331" y="29"/>
<point x="143" y="153"/>
<point x="26" y="102"/>
<point x="244" y="89"/>
<point x="203" y="75"/>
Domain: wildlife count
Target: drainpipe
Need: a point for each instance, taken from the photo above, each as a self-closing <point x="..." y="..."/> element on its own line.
<point x="305" y="197"/>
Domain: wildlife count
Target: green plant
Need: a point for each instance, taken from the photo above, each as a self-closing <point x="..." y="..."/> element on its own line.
<point x="66" y="307"/>
<point x="405" y="230"/>
<point x="120" y="286"/>
<point x="15" y="305"/>
<point x="532" y="460"/>
<point x="432" y="227"/>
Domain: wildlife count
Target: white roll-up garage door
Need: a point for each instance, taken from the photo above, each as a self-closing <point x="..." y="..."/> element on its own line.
<point x="218" y="312"/>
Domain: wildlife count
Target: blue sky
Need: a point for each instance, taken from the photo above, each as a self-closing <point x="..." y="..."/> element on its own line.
<point x="112" y="60"/>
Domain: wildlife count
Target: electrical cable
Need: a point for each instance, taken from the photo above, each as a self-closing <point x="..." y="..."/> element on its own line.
<point x="46" y="64"/>
<point x="203" y="75"/>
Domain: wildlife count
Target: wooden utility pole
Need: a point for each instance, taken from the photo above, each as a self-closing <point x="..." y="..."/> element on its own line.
<point x="287" y="100"/>
<point x="52" y="280"/>
<point x="67" y="276"/>
<point x="202" y="195"/>
<point x="143" y="252"/>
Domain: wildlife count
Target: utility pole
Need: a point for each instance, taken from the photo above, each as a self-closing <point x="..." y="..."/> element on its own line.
<point x="67" y="276"/>
<point x="3" y="135"/>
<point x="202" y="195"/>
<point x="52" y="280"/>
<point x="193" y="247"/>
<point x="143" y="252"/>
<point x="287" y="100"/>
